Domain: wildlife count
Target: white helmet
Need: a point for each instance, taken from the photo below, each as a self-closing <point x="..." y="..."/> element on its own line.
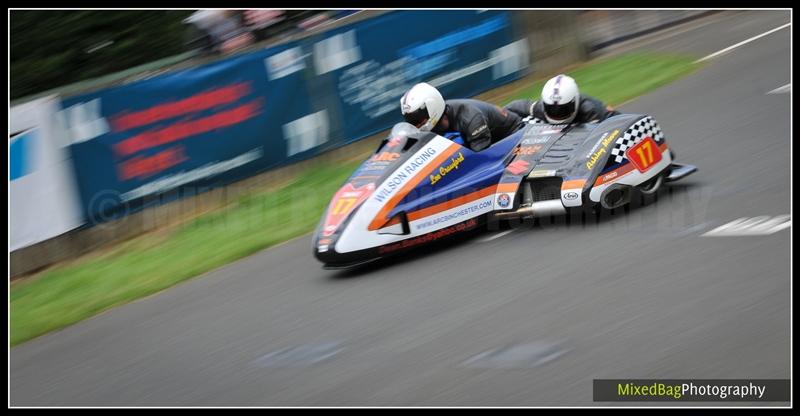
<point x="422" y="106"/>
<point x="561" y="99"/>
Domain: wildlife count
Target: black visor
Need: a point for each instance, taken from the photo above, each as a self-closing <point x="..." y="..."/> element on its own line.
<point x="560" y="111"/>
<point x="417" y="118"/>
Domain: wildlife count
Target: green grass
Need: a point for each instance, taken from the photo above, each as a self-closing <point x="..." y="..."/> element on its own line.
<point x="151" y="263"/>
<point x="619" y="79"/>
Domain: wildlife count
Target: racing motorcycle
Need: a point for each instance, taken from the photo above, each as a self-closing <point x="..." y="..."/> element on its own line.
<point x="420" y="187"/>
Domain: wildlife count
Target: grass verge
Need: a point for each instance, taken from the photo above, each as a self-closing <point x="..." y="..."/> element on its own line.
<point x="151" y="263"/>
<point x="622" y="78"/>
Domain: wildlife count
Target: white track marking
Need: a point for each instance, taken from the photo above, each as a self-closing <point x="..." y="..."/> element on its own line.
<point x="720" y="52"/>
<point x="763" y="225"/>
<point x="781" y="90"/>
<point x="496" y="236"/>
<point x="691" y="230"/>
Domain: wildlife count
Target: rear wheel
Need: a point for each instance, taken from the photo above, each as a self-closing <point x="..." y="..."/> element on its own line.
<point x="648" y="191"/>
<point x="650" y="187"/>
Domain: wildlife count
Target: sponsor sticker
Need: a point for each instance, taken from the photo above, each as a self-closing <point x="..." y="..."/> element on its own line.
<point x="475" y="208"/>
<point x="540" y="173"/>
<point x="438" y="174"/>
<point x="526" y="150"/>
<point x="436" y="235"/>
<point x="374" y="166"/>
<point x="610" y="176"/>
<point x="503" y="201"/>
<point x="597" y="144"/>
<point x="594" y="157"/>
<point x="535" y="140"/>
<point x="517" y="167"/>
<point x="405" y="173"/>
<point x="385" y="156"/>
<point x="571" y="196"/>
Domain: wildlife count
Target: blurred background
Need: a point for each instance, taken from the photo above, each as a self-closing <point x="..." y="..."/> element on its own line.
<point x="54" y="48"/>
<point x="148" y="147"/>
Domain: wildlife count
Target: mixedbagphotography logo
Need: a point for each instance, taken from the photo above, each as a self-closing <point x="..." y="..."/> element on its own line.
<point x="762" y="390"/>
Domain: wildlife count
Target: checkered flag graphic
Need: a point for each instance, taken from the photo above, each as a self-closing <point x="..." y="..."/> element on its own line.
<point x="645" y="127"/>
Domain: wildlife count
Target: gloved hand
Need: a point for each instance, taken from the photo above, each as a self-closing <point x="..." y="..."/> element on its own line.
<point x="454" y="136"/>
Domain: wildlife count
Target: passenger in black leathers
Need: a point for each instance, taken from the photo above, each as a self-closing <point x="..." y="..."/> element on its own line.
<point x="590" y="109"/>
<point x="479" y="123"/>
<point x="562" y="103"/>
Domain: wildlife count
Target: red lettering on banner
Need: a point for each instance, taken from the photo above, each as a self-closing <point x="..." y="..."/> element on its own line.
<point x="185" y="129"/>
<point x="197" y="102"/>
<point x="144" y="166"/>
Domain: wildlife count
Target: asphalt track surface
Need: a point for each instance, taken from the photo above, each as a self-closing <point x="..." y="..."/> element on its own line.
<point x="522" y="318"/>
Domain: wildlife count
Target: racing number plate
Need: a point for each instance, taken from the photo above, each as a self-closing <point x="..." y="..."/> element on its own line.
<point x="644" y="154"/>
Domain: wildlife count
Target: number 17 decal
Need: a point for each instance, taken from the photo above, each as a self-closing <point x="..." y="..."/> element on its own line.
<point x="343" y="205"/>
<point x="644" y="154"/>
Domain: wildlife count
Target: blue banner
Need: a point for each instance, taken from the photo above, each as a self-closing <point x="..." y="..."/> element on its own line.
<point x="218" y="123"/>
<point x="204" y="126"/>
<point x="459" y="52"/>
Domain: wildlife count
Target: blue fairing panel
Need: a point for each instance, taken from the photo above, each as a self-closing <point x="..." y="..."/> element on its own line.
<point x="476" y="171"/>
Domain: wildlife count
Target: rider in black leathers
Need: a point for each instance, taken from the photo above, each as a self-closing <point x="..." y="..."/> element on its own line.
<point x="479" y="123"/>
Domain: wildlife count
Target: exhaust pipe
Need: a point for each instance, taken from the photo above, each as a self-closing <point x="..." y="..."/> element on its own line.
<point x="537" y="209"/>
<point x="615" y="196"/>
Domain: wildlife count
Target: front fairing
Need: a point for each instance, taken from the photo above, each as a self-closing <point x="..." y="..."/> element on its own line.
<point x="397" y="194"/>
<point x="402" y="142"/>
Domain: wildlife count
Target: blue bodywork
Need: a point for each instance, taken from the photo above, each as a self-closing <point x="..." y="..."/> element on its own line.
<point x="482" y="169"/>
